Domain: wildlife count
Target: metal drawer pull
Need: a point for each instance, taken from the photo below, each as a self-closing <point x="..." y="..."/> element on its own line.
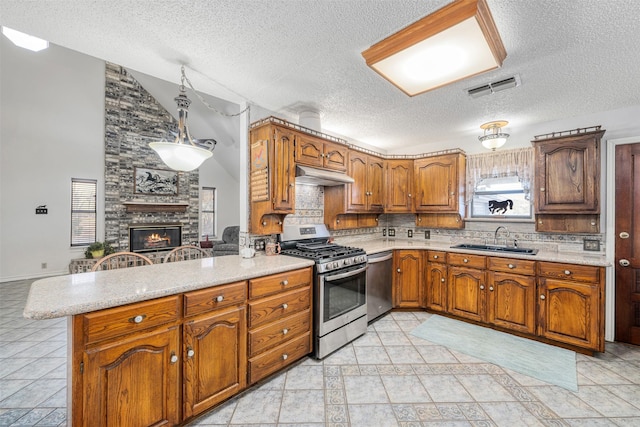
<point x="435" y="257"/>
<point x="624" y="262"/>
<point x="465" y="260"/>
<point x="285" y="331"/>
<point x="173" y="358"/>
<point x="285" y="306"/>
<point x="190" y="352"/>
<point x="285" y="356"/>
<point x="542" y="296"/>
<point x="442" y="280"/>
<point x="567" y="272"/>
<point x="511" y="266"/>
<point x="219" y="298"/>
<point x="398" y="270"/>
<point x="285" y="282"/>
<point x="138" y="319"/>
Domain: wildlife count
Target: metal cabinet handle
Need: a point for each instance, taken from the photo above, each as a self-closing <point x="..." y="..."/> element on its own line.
<point x="624" y="262"/>
<point x="542" y="297"/>
<point x="435" y="257"/>
<point x="442" y="280"/>
<point x="491" y="288"/>
<point x="173" y="358"/>
<point x="190" y="352"/>
<point x="409" y="195"/>
<point x="138" y="319"/>
<point x="285" y="331"/>
<point x="285" y="306"/>
<point x="567" y="272"/>
<point x="481" y="287"/>
<point x="624" y="235"/>
<point x="542" y="189"/>
<point x="511" y="266"/>
<point x="219" y="298"/>
<point x="398" y="270"/>
<point x="264" y="223"/>
<point x="285" y="356"/>
<point x="465" y="260"/>
<point x="285" y="282"/>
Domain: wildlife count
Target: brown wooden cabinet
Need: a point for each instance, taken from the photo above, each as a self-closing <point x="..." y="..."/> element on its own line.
<point x="439" y="191"/>
<point x="214" y="346"/>
<point x="366" y="194"/>
<point x="316" y="152"/>
<point x="407" y="279"/>
<point x="466" y="290"/>
<point x="272" y="177"/>
<point x="398" y="185"/>
<point x="280" y="320"/>
<point x="571" y="308"/>
<point x="436" y="281"/>
<point x="511" y="298"/>
<point x="567" y="181"/>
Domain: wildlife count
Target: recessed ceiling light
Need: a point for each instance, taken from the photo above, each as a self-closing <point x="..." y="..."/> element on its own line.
<point x="458" y="41"/>
<point x="25" y="40"/>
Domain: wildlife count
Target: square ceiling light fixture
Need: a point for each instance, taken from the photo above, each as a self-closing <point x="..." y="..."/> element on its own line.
<point x="455" y="42"/>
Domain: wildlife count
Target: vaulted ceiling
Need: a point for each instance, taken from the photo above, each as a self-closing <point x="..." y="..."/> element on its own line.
<point x="573" y="58"/>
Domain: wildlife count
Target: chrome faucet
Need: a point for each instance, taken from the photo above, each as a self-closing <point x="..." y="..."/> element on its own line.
<point x="495" y="235"/>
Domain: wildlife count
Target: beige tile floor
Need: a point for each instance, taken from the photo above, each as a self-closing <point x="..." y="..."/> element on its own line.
<point x="385" y="378"/>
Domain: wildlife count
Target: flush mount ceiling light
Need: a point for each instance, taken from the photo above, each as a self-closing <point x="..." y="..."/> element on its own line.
<point x="458" y="41"/>
<point x="25" y="40"/>
<point x="492" y="137"/>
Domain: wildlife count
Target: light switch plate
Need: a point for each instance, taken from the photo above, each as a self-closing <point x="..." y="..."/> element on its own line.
<point x="392" y="232"/>
<point x="409" y="233"/>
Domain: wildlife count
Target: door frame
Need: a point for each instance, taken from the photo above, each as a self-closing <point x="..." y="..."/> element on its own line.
<point x="610" y="305"/>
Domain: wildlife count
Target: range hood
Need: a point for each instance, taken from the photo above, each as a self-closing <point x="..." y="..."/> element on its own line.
<point x="313" y="176"/>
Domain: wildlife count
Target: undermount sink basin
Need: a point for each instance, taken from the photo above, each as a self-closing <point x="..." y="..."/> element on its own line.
<point x="496" y="248"/>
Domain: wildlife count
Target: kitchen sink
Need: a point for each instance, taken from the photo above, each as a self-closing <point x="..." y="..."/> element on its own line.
<point x="496" y="248"/>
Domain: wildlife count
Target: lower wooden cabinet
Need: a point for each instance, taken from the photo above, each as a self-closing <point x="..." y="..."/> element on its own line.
<point x="163" y="361"/>
<point x="511" y="301"/>
<point x="131" y="382"/>
<point x="215" y="352"/>
<point x="407" y="279"/>
<point x="435" y="287"/>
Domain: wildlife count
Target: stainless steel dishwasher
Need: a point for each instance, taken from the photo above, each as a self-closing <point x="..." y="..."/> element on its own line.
<point x="379" y="276"/>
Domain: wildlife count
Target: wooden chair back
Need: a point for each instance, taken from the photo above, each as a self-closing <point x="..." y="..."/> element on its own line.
<point x="121" y="260"/>
<point x="184" y="253"/>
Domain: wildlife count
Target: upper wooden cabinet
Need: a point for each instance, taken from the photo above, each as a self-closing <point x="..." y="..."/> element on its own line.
<point x="366" y="194"/>
<point x="568" y="173"/>
<point x="272" y="177"/>
<point x="567" y="181"/>
<point x="399" y="185"/>
<point x="313" y="151"/>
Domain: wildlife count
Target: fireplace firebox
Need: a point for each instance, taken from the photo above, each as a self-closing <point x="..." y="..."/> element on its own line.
<point x="154" y="237"/>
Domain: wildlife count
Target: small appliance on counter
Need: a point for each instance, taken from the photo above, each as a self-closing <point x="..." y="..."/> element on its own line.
<point x="340" y="292"/>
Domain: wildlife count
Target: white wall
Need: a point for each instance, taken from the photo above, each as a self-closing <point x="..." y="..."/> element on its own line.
<point x="51" y="130"/>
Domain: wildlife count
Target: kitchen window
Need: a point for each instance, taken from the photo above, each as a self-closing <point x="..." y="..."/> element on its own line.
<point x="500" y="197"/>
<point x="83" y="211"/>
<point x="208" y="212"/>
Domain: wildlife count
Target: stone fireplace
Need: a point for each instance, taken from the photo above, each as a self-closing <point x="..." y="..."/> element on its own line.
<point x="154" y="237"/>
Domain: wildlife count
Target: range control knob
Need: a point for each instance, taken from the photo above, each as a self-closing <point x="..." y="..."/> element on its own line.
<point x="347" y="261"/>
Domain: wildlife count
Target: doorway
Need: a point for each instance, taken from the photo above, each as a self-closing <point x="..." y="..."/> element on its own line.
<point x="626" y="241"/>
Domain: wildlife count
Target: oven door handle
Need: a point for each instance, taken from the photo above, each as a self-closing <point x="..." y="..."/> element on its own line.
<point x="343" y="275"/>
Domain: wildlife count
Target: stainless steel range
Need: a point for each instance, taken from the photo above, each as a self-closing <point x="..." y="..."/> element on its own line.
<point x="340" y="294"/>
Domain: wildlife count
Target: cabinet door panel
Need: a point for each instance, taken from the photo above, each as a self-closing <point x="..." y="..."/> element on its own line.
<point x="215" y="354"/>
<point x="309" y="151"/>
<point x="284" y="171"/>
<point x="569" y="313"/>
<point x="399" y="186"/>
<point x="133" y="382"/>
<point x="511" y="302"/>
<point x="466" y="293"/>
<point x="407" y="280"/>
<point x="356" y="192"/>
<point x="436" y="184"/>
<point x="335" y="157"/>
<point x="375" y="183"/>
<point x="436" y="286"/>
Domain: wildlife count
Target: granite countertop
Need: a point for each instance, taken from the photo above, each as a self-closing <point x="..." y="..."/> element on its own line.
<point x="84" y="292"/>
<point x="380" y="245"/>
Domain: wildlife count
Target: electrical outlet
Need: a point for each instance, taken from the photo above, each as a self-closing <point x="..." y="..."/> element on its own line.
<point x="259" y="244"/>
<point x="591" y="245"/>
<point x="384" y="232"/>
<point x="43" y="265"/>
<point x="410" y="233"/>
<point x="42" y="210"/>
<point x="427" y="234"/>
<point x="392" y="232"/>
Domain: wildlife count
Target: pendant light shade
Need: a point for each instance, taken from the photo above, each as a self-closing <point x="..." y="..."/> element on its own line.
<point x="493" y="138"/>
<point x="182" y="154"/>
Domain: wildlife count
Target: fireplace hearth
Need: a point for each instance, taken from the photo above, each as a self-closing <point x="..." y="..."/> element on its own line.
<point x="154" y="237"/>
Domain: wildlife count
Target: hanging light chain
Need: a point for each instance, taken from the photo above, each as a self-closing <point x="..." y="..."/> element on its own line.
<point x="209" y="106"/>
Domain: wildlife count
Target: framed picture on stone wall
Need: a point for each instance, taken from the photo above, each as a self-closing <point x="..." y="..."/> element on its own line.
<point x="155" y="181"/>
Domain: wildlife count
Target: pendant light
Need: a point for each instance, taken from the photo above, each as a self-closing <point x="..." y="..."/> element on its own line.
<point x="493" y="138"/>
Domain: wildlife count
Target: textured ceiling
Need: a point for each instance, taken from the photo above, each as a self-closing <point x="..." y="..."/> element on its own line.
<point x="573" y="57"/>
